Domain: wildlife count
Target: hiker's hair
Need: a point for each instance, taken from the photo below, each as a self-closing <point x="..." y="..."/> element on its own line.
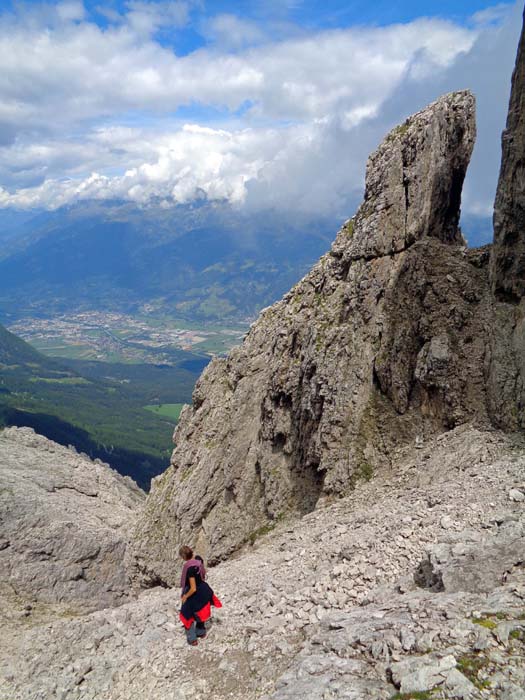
<point x="186" y="552"/>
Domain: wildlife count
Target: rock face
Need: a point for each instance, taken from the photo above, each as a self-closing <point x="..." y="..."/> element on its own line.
<point x="381" y="342"/>
<point x="414" y="181"/>
<point x="506" y="380"/>
<point x="64" y="521"/>
<point x="508" y="255"/>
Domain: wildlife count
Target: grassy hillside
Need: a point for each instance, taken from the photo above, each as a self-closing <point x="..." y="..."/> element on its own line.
<point x="97" y="407"/>
<point x="15" y="350"/>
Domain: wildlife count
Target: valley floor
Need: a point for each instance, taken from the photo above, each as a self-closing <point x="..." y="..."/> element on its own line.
<point x="324" y="607"/>
<point x="118" y="337"/>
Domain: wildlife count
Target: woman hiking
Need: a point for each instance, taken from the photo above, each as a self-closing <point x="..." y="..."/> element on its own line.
<point x="197" y="597"/>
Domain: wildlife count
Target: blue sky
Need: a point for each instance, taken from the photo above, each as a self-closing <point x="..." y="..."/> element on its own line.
<point x="246" y="101"/>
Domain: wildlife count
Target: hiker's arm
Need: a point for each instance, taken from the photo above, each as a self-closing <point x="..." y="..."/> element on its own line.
<point x="191" y="591"/>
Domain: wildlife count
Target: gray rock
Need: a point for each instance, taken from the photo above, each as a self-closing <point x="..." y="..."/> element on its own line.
<point x="422" y="673"/>
<point x="414" y="181"/>
<point x="446" y="522"/>
<point x="459" y="685"/>
<point x="478" y="567"/>
<point x="508" y="253"/>
<point x="64" y="520"/>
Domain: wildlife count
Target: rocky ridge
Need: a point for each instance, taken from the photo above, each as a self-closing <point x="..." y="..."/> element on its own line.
<point x="64" y="523"/>
<point x="326" y="607"/>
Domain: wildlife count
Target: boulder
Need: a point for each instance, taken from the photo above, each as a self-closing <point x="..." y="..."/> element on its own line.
<point x="64" y="523"/>
<point x="476" y="567"/>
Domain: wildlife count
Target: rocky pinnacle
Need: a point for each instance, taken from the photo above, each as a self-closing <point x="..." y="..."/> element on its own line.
<point x="414" y="180"/>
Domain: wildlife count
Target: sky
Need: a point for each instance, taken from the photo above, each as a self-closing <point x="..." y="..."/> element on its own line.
<point x="262" y="103"/>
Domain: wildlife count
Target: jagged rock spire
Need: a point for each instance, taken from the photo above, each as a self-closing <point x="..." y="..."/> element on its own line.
<point x="414" y="180"/>
<point x="508" y="254"/>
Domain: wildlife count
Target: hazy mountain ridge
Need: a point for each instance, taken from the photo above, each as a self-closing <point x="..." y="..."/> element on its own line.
<point x="204" y="262"/>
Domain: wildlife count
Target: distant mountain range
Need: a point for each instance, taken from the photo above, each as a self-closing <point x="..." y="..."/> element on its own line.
<point x="203" y="262"/>
<point x="97" y="407"/>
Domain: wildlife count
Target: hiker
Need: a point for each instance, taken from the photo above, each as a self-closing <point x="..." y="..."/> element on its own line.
<point x="197" y="597"/>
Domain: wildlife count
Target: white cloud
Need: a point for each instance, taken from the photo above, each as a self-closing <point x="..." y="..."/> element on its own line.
<point x="71" y="10"/>
<point x="180" y="166"/>
<point x="491" y="15"/>
<point x="145" y="18"/>
<point x="88" y="113"/>
<point x="93" y="73"/>
<point x="230" y="31"/>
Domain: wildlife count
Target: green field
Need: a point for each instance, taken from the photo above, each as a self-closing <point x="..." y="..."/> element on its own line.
<point x="60" y="380"/>
<point x="168" y="410"/>
<point x="217" y="345"/>
<point x="63" y="349"/>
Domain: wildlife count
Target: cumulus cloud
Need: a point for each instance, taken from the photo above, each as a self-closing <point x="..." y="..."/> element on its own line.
<point x="145" y="18"/>
<point x="92" y="72"/>
<point x="179" y="166"/>
<point x="233" y="32"/>
<point x="88" y="112"/>
<point x="71" y="10"/>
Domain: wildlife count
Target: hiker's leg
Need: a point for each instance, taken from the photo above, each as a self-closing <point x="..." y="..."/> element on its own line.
<point x="200" y="629"/>
<point x="191" y="633"/>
